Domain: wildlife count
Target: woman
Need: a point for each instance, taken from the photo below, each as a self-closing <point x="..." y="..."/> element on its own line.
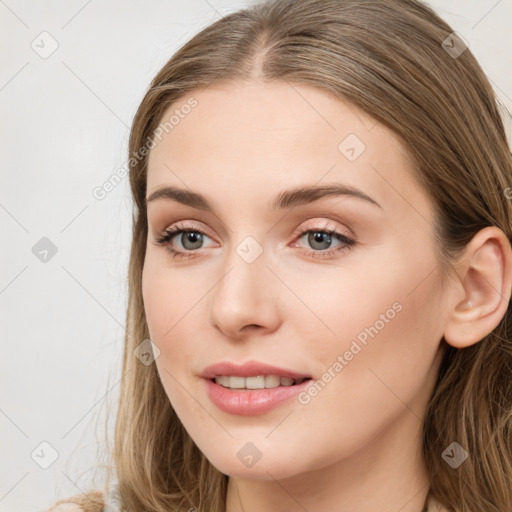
<point x="321" y="192"/>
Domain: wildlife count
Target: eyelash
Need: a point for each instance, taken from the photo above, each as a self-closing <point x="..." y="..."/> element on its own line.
<point x="166" y="237"/>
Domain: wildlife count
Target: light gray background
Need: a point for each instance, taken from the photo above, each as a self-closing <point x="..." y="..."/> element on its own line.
<point x="64" y="131"/>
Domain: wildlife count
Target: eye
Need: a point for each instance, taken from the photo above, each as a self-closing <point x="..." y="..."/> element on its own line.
<point x="321" y="239"/>
<point x="190" y="238"/>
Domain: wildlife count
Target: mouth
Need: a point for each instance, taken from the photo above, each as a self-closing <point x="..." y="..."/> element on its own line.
<point x="238" y="383"/>
<point x="253" y="395"/>
<point x="251" y="373"/>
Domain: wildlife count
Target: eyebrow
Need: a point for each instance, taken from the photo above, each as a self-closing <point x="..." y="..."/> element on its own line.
<point x="285" y="199"/>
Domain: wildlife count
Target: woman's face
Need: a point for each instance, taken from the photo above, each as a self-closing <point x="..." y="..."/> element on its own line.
<point x="361" y="311"/>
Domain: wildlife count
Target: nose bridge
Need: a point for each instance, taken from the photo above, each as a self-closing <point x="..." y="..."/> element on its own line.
<point x="245" y="269"/>
<point x="242" y="296"/>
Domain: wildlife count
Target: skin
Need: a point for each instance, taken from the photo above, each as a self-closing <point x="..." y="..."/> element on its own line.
<point x="358" y="442"/>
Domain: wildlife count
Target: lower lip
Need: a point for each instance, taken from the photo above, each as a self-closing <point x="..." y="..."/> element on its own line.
<point x="251" y="402"/>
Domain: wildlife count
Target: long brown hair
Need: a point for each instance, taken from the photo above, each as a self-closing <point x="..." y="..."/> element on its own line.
<point x="394" y="60"/>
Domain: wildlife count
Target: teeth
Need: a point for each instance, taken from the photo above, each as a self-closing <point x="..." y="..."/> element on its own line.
<point x="259" y="382"/>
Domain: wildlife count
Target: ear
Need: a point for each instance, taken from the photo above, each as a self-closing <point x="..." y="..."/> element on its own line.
<point x="485" y="272"/>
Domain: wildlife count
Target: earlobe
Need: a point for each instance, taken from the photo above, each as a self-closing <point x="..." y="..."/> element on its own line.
<point x="486" y="278"/>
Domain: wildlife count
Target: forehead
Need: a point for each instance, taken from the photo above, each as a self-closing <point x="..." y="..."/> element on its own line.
<point x="242" y="116"/>
<point x="252" y="139"/>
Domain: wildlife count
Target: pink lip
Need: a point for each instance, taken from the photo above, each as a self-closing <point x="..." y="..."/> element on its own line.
<point x="249" y="369"/>
<point x="251" y="402"/>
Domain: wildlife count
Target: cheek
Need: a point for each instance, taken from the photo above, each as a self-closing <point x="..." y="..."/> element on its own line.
<point x="377" y="320"/>
<point x="340" y="305"/>
<point x="166" y="303"/>
<point x="174" y="308"/>
<point x="169" y="297"/>
<point x="388" y="339"/>
<point x="374" y="369"/>
<point x="384" y="293"/>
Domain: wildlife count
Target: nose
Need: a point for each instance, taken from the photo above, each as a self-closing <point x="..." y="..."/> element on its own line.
<point x="245" y="300"/>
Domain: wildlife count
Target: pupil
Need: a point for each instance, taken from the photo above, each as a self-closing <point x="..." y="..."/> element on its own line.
<point x="319" y="237"/>
<point x="192" y="237"/>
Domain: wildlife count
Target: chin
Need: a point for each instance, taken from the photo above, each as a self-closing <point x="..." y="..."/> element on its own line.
<point x="261" y="470"/>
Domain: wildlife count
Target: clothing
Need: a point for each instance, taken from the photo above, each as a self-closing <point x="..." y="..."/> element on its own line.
<point x="112" y="500"/>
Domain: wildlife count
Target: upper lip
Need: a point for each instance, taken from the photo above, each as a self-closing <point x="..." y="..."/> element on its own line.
<point x="249" y="369"/>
